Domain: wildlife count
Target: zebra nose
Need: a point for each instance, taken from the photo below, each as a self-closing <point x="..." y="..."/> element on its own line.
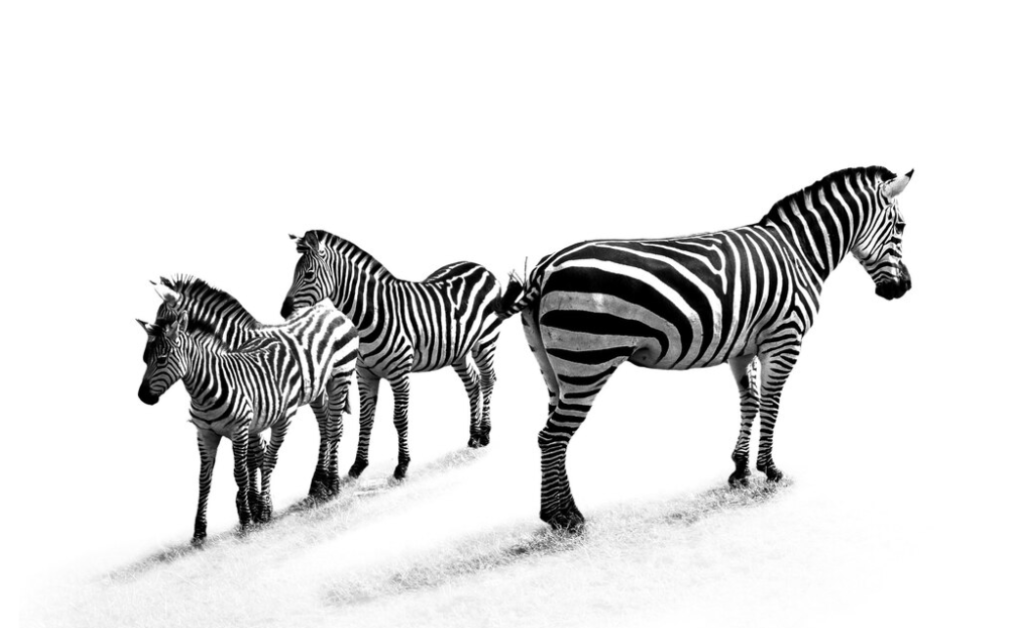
<point x="287" y="307"/>
<point x="146" y="396"/>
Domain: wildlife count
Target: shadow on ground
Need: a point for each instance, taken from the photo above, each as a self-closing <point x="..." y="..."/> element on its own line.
<point x="310" y="511"/>
<point x="502" y="550"/>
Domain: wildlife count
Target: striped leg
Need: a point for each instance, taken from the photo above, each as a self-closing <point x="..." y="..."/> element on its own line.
<point x="744" y="369"/>
<point x="776" y="366"/>
<point x="319" y="487"/>
<point x="369" y="386"/>
<point x="277" y="434"/>
<point x="471" y="381"/>
<point x="255" y="460"/>
<point x="400" y="390"/>
<point x="208" y="441"/>
<point x="240" y="446"/>
<point x="483" y="355"/>
<point x="337" y="394"/>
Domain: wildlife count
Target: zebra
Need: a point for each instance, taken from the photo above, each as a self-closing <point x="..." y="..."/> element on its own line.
<point x="404" y="327"/>
<point x="742" y="296"/>
<point x="215" y="314"/>
<point x="240" y="392"/>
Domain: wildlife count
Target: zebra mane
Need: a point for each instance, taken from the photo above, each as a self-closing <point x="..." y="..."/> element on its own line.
<point x="208" y="299"/>
<point x="871" y="173"/>
<point x="355" y="255"/>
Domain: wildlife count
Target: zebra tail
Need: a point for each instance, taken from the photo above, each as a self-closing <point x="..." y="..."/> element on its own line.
<point x="517" y="297"/>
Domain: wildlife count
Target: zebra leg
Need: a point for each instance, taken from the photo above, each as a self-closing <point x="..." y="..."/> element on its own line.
<point x="208" y="441"/>
<point x="483" y="355"/>
<point x="369" y="386"/>
<point x="744" y="369"/>
<point x="400" y="390"/>
<point x="255" y="462"/>
<point x="776" y="367"/>
<point x="471" y="380"/>
<point x="240" y="446"/>
<point x="319" y="486"/>
<point x="337" y="395"/>
<point x="277" y="434"/>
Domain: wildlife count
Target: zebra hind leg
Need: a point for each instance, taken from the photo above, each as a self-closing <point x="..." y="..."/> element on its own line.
<point x="470" y="377"/>
<point x="744" y="370"/>
<point x="319" y="486"/>
<point x="255" y="462"/>
<point x="483" y="355"/>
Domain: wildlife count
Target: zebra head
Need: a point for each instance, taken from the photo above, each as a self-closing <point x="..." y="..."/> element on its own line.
<point x="880" y="245"/>
<point x="313" y="280"/>
<point x="164" y="357"/>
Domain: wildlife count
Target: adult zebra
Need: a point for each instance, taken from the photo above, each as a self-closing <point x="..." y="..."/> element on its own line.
<point x="239" y="393"/>
<point x="728" y="296"/>
<point x="404" y="327"/>
<point x="215" y="314"/>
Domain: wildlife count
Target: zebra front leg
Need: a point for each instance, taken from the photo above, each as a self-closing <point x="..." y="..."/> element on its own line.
<point x="471" y="381"/>
<point x="319" y="486"/>
<point x="744" y="370"/>
<point x="369" y="386"/>
<point x="277" y="434"/>
<point x="255" y="462"/>
<point x="208" y="441"/>
<point x="400" y="391"/>
<point x="240" y="447"/>
<point x="776" y="367"/>
<point x="484" y="358"/>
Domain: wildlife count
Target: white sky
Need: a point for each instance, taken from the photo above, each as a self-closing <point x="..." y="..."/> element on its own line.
<point x="144" y="140"/>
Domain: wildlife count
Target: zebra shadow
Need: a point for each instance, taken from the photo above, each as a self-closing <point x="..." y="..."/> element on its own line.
<point x="308" y="509"/>
<point x="502" y="550"/>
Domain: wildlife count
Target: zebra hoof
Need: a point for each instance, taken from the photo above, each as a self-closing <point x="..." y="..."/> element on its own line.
<point x="740" y="478"/>
<point x="474" y="442"/>
<point x="485" y="440"/>
<point x="568" y="520"/>
<point x="400" y="470"/>
<point x="773" y="473"/>
<point x="357" y="468"/>
<point x="198" y="540"/>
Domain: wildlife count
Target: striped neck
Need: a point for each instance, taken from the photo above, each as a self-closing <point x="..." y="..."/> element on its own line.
<point x="822" y="222"/>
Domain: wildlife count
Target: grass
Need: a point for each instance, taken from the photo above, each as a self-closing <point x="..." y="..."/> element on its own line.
<point x="331" y="563"/>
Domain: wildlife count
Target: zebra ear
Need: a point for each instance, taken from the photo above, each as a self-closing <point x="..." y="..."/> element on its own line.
<point x="150" y="329"/>
<point x="893" y="187"/>
<point x="169" y="296"/>
<point x="179" y="325"/>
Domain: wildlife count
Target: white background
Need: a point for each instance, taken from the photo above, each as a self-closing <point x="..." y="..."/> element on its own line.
<point x="145" y="140"/>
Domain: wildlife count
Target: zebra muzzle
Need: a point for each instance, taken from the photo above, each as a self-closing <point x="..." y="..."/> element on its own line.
<point x="146" y="396"/>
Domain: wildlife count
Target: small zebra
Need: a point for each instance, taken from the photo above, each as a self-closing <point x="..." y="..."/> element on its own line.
<point x="741" y="296"/>
<point x="238" y="393"/>
<point x="404" y="327"/>
<point x="213" y="313"/>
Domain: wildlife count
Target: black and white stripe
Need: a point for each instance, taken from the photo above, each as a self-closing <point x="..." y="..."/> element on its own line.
<point x="448" y="319"/>
<point x="239" y="393"/>
<point x="215" y="314"/>
<point x="740" y="296"/>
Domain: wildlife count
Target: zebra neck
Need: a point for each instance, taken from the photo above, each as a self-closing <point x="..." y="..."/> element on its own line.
<point x="360" y="290"/>
<point x="818" y="244"/>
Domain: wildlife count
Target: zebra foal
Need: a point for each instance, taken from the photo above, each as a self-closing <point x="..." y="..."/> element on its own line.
<point x="724" y="297"/>
<point x="448" y="319"/>
<point x="239" y="393"/>
<point x="216" y="315"/>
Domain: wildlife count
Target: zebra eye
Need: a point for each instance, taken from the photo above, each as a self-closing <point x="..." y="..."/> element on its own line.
<point x="310" y="274"/>
<point x="161" y="360"/>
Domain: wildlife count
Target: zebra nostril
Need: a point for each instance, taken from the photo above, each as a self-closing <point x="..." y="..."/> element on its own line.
<point x="287" y="307"/>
